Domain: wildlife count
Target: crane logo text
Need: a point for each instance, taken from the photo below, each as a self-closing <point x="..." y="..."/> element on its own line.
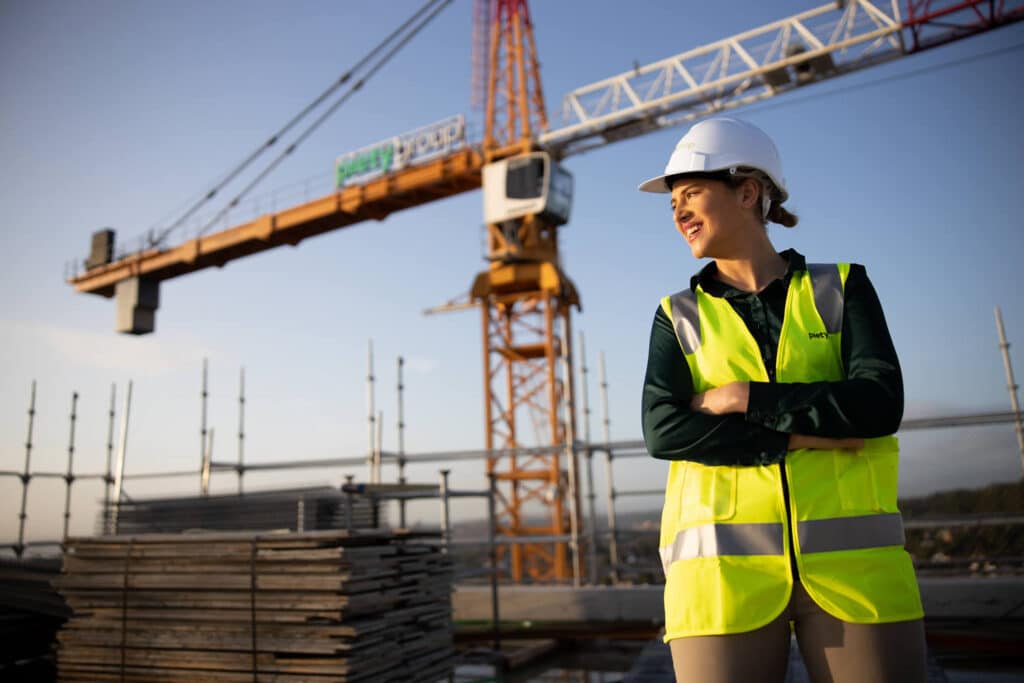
<point x="401" y="150"/>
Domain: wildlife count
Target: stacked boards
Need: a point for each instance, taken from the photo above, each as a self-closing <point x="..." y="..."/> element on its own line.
<point x="30" y="614"/>
<point x="263" y="608"/>
<point x="305" y="509"/>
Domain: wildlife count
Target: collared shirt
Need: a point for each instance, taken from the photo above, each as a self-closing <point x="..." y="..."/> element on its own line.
<point x="868" y="403"/>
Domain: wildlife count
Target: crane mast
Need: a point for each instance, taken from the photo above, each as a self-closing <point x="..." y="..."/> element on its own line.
<point x="526" y="302"/>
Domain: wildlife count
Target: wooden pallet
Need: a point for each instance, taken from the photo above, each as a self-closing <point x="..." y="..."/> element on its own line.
<point x="325" y="605"/>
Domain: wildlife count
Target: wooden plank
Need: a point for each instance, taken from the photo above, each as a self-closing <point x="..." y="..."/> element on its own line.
<point x="270" y="600"/>
<point x="278" y="539"/>
<point x="79" y="675"/>
<point x="326" y="606"/>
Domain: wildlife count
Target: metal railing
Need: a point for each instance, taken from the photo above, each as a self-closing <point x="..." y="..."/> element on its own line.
<point x="579" y="541"/>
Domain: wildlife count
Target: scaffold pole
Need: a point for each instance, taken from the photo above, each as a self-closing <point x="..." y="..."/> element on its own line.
<point x="1004" y="346"/>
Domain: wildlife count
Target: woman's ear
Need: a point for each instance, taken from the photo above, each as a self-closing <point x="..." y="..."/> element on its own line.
<point x="750" y="190"/>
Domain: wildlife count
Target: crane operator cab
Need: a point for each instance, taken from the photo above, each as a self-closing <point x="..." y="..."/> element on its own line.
<point x="528" y="184"/>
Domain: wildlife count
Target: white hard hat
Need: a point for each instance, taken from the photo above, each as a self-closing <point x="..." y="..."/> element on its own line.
<point x="723" y="144"/>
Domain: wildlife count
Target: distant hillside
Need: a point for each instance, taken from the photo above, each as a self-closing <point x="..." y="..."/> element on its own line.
<point x="995" y="498"/>
<point x="975" y="548"/>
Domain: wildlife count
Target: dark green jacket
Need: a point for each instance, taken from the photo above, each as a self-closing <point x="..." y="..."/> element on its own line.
<point x="868" y="403"/>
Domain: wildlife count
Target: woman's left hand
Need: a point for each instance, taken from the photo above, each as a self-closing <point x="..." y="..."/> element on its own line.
<point x="728" y="398"/>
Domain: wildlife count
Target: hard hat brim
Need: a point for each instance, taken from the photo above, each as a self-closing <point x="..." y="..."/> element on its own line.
<point x="656" y="184"/>
<point x="659" y="185"/>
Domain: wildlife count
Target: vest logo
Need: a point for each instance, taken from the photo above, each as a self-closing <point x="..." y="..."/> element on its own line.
<point x="817" y="335"/>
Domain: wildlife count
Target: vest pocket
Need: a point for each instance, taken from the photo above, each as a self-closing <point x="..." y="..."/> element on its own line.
<point x="708" y="493"/>
<point x="867" y="481"/>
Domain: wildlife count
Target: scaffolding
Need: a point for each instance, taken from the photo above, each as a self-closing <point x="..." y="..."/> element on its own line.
<point x="586" y="538"/>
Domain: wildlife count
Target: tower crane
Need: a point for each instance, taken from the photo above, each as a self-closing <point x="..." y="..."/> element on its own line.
<point x="524" y="296"/>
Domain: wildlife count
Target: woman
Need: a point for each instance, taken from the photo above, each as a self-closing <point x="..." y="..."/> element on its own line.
<point x="773" y="388"/>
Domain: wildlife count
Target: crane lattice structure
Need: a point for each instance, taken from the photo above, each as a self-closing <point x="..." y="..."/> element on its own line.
<point x="526" y="301"/>
<point x="525" y="297"/>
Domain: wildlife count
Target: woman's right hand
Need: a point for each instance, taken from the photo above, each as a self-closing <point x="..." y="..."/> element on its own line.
<point x="797" y="441"/>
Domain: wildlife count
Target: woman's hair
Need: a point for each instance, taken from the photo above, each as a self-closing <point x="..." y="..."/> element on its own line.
<point x="776" y="212"/>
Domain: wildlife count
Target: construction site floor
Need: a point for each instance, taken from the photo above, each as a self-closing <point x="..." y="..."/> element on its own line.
<point x="649" y="661"/>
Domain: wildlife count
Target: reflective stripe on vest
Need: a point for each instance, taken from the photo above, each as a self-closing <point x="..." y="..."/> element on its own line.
<point x="712" y="540"/>
<point x="686" y="319"/>
<point x="851" y="533"/>
<point x="828" y="294"/>
<point x="816" y="536"/>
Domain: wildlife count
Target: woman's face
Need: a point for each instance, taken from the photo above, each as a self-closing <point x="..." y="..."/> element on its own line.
<point x="712" y="217"/>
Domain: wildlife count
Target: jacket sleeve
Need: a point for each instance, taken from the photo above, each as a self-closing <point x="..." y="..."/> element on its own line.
<point x="672" y="431"/>
<point x="867" y="403"/>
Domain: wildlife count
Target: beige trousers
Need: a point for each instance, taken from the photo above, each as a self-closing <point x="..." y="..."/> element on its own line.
<point x="834" y="651"/>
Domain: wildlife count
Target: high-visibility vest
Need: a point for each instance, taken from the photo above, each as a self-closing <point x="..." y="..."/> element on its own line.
<point x="726" y="532"/>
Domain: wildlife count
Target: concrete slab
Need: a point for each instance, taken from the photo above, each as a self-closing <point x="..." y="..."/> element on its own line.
<point x="991" y="597"/>
<point x="654" y="665"/>
<point x="561" y="604"/>
<point x="997" y="597"/>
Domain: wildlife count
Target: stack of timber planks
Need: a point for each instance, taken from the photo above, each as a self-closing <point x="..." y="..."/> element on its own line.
<point x="264" y="608"/>
<point x="31" y="611"/>
<point x="305" y="509"/>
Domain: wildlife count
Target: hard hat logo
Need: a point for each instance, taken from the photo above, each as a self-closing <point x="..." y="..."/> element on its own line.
<point x="724" y="144"/>
<point x="699" y="162"/>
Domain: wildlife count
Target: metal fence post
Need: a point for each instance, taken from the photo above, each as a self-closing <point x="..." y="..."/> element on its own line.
<point x="121" y="455"/>
<point x="371" y="411"/>
<point x="401" y="443"/>
<point x="26" y="477"/>
<point x="377" y="454"/>
<point x="613" y="541"/>
<point x="204" y="474"/>
<point x="69" y="478"/>
<point x="349" y="507"/>
<point x="1004" y="346"/>
<point x="589" y="454"/>
<point x="492" y="551"/>
<point x="241" y="430"/>
<point x="108" y="479"/>
<point x="202" y="426"/>
<point x="445" y="526"/>
<point x="570" y="452"/>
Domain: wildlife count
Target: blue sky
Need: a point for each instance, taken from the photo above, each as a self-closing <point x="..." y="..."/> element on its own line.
<point x="119" y="113"/>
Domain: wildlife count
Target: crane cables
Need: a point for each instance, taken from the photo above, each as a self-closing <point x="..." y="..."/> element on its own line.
<point x="374" y="60"/>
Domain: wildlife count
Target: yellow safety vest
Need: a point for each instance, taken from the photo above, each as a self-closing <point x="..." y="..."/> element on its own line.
<point x="726" y="531"/>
